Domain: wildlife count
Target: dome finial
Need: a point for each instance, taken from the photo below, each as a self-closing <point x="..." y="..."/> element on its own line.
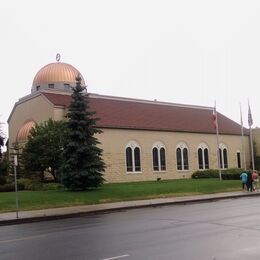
<point x="78" y="78"/>
<point x="57" y="57"/>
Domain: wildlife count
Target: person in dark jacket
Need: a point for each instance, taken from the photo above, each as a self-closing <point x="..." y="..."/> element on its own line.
<point x="249" y="181"/>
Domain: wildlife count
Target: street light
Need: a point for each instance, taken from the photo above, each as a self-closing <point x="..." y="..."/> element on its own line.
<point x="15" y="182"/>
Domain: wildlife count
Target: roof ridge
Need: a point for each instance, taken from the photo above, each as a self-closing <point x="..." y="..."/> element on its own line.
<point x="145" y="101"/>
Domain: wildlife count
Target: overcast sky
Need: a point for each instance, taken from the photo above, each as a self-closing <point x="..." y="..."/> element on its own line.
<point x="190" y="52"/>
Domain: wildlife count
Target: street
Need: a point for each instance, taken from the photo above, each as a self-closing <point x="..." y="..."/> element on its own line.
<point x="226" y="229"/>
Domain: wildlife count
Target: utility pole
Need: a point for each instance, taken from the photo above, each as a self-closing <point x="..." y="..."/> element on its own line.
<point x="15" y="182"/>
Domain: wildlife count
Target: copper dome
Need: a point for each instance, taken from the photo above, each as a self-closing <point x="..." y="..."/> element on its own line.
<point x="57" y="73"/>
<point x="24" y="131"/>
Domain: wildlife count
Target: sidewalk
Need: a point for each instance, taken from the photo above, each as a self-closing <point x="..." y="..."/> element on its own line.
<point x="58" y="213"/>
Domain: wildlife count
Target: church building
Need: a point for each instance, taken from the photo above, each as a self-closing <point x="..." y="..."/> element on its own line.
<point x="141" y="140"/>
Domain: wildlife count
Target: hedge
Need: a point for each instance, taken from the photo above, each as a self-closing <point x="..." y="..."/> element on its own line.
<point x="227" y="174"/>
<point x="27" y="184"/>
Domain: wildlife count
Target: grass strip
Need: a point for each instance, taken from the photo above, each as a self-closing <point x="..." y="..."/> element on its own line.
<point x="29" y="200"/>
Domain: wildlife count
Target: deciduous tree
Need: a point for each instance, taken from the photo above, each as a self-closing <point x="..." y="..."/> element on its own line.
<point x="43" y="150"/>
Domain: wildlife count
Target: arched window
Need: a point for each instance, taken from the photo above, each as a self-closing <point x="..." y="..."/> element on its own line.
<point x="137" y="159"/>
<point x="203" y="156"/>
<point x="133" y="157"/>
<point x="129" y="159"/>
<point x="223" y="156"/>
<point x="155" y="159"/>
<point x="238" y="160"/>
<point x="163" y="159"/>
<point x="159" y="159"/>
<point x="182" y="157"/>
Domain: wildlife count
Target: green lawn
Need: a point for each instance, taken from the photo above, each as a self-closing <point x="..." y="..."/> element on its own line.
<point x="115" y="192"/>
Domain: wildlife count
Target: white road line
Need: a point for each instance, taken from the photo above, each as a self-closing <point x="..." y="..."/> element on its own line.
<point x="115" y="257"/>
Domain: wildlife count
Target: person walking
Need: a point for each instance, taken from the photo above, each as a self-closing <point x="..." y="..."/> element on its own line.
<point x="249" y="181"/>
<point x="244" y="177"/>
<point x="255" y="181"/>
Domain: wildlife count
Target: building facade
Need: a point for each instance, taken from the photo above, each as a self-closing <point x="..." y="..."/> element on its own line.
<point x="141" y="140"/>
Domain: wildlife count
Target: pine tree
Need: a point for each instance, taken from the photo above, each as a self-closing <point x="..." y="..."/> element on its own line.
<point x="83" y="166"/>
<point x="1" y="141"/>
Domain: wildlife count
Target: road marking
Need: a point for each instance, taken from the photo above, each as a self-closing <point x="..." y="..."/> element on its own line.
<point x="115" y="257"/>
<point x="20" y="239"/>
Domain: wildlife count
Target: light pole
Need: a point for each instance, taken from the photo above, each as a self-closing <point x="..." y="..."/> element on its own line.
<point x="15" y="182"/>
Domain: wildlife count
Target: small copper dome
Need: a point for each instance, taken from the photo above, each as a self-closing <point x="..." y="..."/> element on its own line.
<point x="24" y="131"/>
<point x="56" y="74"/>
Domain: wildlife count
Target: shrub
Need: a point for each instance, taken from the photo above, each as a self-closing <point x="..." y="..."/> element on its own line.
<point x="227" y="174"/>
<point x="11" y="187"/>
<point x="32" y="185"/>
<point x="232" y="174"/>
<point x="7" y="188"/>
<point x="52" y="186"/>
<point x="4" y="167"/>
<point x="205" y="174"/>
<point x="2" y="180"/>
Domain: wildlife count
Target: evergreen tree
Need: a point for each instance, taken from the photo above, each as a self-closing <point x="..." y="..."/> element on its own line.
<point x="83" y="166"/>
<point x="1" y="141"/>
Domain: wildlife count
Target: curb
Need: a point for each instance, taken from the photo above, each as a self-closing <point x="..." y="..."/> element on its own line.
<point x="182" y="201"/>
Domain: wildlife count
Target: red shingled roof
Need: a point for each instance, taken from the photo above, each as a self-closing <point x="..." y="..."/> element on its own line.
<point x="148" y="115"/>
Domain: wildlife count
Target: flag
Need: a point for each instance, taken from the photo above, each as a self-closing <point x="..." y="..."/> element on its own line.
<point x="214" y="117"/>
<point x="250" y="119"/>
<point x="215" y="122"/>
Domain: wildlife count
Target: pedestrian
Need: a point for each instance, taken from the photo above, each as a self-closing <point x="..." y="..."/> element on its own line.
<point x="255" y="181"/>
<point x="249" y="181"/>
<point x="243" y="177"/>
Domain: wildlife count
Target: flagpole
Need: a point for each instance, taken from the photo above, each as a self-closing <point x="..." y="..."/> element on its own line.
<point x="242" y="139"/>
<point x="217" y="135"/>
<point x="250" y="123"/>
<point x="252" y="149"/>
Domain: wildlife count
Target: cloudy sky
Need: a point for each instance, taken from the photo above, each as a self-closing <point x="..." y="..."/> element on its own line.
<point x="180" y="51"/>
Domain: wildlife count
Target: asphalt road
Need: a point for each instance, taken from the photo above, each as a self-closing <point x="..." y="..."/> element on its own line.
<point x="227" y="229"/>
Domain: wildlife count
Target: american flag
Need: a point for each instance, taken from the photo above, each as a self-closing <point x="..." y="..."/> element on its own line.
<point x="250" y="119"/>
<point x="214" y="117"/>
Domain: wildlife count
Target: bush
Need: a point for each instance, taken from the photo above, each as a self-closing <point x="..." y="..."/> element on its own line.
<point x="205" y="174"/>
<point x="27" y="184"/>
<point x="7" y="188"/>
<point x="232" y="174"/>
<point x="32" y="185"/>
<point x="52" y="186"/>
<point x="227" y="174"/>
<point x="4" y="167"/>
<point x="2" y="180"/>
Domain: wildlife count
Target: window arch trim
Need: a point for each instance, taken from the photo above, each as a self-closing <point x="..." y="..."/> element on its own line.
<point x="182" y="156"/>
<point x="203" y="156"/>
<point x="133" y="162"/>
<point x="223" y="156"/>
<point x="159" y="157"/>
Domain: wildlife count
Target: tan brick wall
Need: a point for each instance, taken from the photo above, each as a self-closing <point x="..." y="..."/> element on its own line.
<point x="256" y="138"/>
<point x="114" y="142"/>
<point x="37" y="109"/>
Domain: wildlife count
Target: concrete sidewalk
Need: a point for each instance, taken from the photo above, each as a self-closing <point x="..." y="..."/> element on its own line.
<point x="66" y="212"/>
